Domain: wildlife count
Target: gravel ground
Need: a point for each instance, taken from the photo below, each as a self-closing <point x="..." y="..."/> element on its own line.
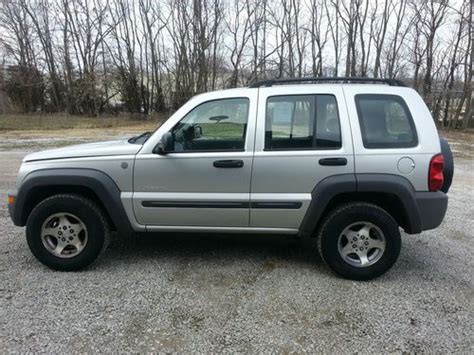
<point x="241" y="293"/>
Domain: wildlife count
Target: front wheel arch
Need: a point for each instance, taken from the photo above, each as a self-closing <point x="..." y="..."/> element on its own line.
<point x="90" y="183"/>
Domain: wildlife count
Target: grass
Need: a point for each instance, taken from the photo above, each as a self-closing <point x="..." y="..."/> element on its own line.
<point x="222" y="130"/>
<point x="56" y="122"/>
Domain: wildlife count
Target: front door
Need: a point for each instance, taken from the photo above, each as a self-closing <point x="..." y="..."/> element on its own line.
<point x="205" y="180"/>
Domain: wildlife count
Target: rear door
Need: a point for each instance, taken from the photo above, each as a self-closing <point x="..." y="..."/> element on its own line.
<point x="303" y="136"/>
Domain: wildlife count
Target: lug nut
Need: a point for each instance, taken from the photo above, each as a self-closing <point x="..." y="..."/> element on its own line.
<point x="362" y="237"/>
<point x="354" y="246"/>
<point x="63" y="239"/>
<point x="354" y="239"/>
<point x="70" y="238"/>
<point x="366" y="243"/>
<point x="361" y="248"/>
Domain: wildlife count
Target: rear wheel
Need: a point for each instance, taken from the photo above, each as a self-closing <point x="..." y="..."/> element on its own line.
<point x="359" y="241"/>
<point x="66" y="232"/>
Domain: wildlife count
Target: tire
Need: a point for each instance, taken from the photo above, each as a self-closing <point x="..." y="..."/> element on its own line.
<point x="368" y="229"/>
<point x="448" y="165"/>
<point x="67" y="232"/>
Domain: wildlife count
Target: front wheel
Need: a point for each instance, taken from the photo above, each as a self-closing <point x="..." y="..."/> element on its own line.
<point x="66" y="232"/>
<point x="359" y="241"/>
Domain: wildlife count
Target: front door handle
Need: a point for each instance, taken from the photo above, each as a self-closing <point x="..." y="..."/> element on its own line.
<point x="332" y="161"/>
<point x="228" y="163"/>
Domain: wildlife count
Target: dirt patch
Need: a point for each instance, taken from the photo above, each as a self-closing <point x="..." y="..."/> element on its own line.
<point x="34" y="140"/>
<point x="462" y="143"/>
<point x="55" y="122"/>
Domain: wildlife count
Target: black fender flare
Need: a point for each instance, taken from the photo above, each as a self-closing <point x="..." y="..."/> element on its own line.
<point x="332" y="186"/>
<point x="398" y="186"/>
<point x="321" y="195"/>
<point x="97" y="181"/>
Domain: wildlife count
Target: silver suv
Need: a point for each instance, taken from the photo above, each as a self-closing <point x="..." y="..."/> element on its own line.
<point x="347" y="161"/>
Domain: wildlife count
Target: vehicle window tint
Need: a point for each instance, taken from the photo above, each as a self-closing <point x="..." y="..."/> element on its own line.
<point x="302" y="122"/>
<point x="218" y="125"/>
<point x="385" y="121"/>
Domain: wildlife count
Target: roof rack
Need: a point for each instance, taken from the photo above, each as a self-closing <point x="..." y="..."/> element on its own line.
<point x="346" y="80"/>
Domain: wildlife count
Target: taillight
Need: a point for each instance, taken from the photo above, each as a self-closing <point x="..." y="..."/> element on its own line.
<point x="435" y="175"/>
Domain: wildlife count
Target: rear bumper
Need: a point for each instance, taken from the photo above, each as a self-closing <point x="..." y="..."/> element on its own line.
<point x="432" y="207"/>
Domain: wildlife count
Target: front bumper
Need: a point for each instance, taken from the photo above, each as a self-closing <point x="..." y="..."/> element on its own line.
<point x="11" y="205"/>
<point x="432" y="207"/>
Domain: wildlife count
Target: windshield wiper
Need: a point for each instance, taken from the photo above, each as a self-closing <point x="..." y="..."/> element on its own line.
<point x="142" y="138"/>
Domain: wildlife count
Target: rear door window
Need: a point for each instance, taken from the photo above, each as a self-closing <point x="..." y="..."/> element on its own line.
<point x="302" y="122"/>
<point x="385" y="121"/>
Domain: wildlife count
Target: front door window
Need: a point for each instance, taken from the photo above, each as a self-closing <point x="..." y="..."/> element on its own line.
<point x="218" y="125"/>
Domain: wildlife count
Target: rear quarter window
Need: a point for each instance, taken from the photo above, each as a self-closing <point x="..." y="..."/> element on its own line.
<point x="385" y="121"/>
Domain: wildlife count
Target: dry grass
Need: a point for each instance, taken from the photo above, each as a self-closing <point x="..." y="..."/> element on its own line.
<point x="57" y="122"/>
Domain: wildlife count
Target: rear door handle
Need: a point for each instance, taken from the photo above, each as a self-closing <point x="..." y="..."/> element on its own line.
<point x="228" y="163"/>
<point x="332" y="161"/>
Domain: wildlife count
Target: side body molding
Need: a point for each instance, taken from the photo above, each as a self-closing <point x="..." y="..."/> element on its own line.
<point x="359" y="185"/>
<point x="97" y="181"/>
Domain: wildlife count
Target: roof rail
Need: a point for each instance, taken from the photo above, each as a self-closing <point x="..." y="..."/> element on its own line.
<point x="346" y="80"/>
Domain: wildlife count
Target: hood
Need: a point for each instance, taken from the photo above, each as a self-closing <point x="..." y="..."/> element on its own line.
<point x="116" y="147"/>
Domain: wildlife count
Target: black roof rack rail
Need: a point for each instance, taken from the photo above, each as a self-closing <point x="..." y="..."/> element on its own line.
<point x="347" y="80"/>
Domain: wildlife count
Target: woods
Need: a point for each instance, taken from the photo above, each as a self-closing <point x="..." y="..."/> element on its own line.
<point x="93" y="57"/>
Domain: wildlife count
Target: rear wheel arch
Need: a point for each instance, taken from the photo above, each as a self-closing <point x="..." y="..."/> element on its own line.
<point x="393" y="193"/>
<point x="396" y="195"/>
<point x="389" y="202"/>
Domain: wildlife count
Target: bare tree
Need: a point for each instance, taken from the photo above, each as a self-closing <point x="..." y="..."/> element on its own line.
<point x="318" y="37"/>
<point x="238" y="25"/>
<point x="145" y="56"/>
<point x="431" y="16"/>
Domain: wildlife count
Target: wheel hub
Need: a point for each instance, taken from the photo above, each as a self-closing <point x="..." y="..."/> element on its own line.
<point x="64" y="235"/>
<point x="361" y="244"/>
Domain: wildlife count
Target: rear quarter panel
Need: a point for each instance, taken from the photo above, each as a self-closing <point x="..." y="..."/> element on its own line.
<point x="385" y="160"/>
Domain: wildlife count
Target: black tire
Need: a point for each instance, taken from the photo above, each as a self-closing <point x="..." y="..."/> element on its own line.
<point x="345" y="215"/>
<point x="448" y="165"/>
<point x="90" y="214"/>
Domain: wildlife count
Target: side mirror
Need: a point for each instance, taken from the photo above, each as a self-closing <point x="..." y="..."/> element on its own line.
<point x="197" y="132"/>
<point x="166" y="144"/>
